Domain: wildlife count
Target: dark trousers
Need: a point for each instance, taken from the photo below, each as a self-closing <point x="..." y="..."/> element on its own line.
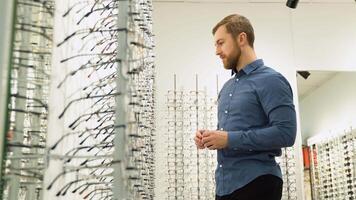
<point x="266" y="187"/>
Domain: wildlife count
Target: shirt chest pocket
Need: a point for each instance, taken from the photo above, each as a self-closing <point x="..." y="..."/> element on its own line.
<point x="244" y="102"/>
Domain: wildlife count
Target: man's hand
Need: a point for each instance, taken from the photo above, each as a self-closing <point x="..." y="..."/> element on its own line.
<point x="214" y="139"/>
<point x="198" y="139"/>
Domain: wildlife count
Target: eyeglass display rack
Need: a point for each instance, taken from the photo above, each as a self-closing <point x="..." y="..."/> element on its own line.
<point x="190" y="172"/>
<point x="24" y="163"/>
<point x="105" y="146"/>
<point x="287" y="163"/>
<point x="333" y="167"/>
<point x="97" y="141"/>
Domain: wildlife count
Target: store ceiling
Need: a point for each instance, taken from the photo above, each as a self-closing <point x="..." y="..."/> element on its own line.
<point x="314" y="81"/>
<point x="260" y="1"/>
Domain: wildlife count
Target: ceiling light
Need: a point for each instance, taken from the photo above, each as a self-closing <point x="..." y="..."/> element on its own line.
<point x="292" y="3"/>
<point x="304" y="74"/>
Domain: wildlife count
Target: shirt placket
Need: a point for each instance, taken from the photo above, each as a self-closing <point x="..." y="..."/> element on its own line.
<point x="226" y="117"/>
<point x="228" y="106"/>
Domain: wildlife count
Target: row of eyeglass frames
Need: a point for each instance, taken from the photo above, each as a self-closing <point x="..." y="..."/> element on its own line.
<point x="190" y="172"/>
<point x="28" y="100"/>
<point x="97" y="141"/>
<point x="333" y="167"/>
<point x="287" y="162"/>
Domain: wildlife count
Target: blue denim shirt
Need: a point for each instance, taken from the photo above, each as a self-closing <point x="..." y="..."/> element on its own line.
<point x="256" y="108"/>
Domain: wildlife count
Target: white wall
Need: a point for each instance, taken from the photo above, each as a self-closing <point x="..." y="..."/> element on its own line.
<point x="325" y="36"/>
<point x="331" y="108"/>
<point x="314" y="36"/>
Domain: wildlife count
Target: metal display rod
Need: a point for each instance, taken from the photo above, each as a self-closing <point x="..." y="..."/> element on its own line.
<point x="6" y="21"/>
<point x="120" y="192"/>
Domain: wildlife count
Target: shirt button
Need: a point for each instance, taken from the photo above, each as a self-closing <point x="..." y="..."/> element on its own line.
<point x="230" y="95"/>
<point x="221" y="129"/>
<point x="225" y="111"/>
<point x="220" y="165"/>
<point x="237" y="79"/>
<point x="250" y="149"/>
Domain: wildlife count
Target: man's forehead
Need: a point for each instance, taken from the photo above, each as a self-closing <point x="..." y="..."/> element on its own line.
<point x="220" y="33"/>
<point x="219" y="37"/>
<point x="221" y="29"/>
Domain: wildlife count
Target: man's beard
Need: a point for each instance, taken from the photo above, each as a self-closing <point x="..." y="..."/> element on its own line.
<point x="231" y="62"/>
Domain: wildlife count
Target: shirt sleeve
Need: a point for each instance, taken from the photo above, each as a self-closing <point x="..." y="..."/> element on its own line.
<point x="276" y="99"/>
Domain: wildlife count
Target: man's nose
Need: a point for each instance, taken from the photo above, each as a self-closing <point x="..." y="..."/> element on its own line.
<point x="217" y="51"/>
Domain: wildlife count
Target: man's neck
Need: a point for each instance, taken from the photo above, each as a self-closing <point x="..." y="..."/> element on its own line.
<point x="246" y="59"/>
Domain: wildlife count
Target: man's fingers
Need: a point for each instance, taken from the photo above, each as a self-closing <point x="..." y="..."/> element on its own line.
<point x="196" y="140"/>
<point x="206" y="139"/>
<point x="208" y="144"/>
<point x="198" y="134"/>
<point x="212" y="147"/>
<point x="207" y="133"/>
<point x="199" y="143"/>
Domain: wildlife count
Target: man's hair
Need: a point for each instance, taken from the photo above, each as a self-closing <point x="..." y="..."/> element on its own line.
<point x="236" y="24"/>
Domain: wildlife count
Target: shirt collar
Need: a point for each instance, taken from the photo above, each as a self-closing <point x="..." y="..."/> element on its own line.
<point x="248" y="68"/>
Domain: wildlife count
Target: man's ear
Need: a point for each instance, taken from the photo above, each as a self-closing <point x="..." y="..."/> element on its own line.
<point x="242" y="38"/>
